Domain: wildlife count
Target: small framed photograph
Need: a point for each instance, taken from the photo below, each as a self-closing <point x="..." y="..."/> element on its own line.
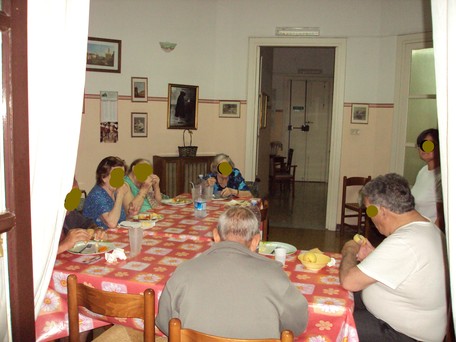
<point x="230" y="109"/>
<point x="360" y="114"/>
<point x="139" y="89"/>
<point x="182" y="106"/>
<point x="103" y="54"/>
<point x="139" y="125"/>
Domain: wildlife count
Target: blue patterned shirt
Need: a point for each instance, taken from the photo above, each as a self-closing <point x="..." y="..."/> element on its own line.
<point x="97" y="203"/>
<point x="235" y="181"/>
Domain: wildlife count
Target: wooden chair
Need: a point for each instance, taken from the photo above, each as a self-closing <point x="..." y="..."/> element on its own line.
<point x="265" y="219"/>
<point x="177" y="334"/>
<point x="283" y="173"/>
<point x="351" y="184"/>
<point x="109" y="304"/>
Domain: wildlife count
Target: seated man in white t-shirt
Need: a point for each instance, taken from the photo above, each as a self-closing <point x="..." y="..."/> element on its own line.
<point x="402" y="281"/>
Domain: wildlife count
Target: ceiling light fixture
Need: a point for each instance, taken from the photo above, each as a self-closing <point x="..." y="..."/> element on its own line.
<point x="297" y="31"/>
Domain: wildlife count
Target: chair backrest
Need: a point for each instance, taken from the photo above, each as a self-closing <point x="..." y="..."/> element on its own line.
<point x="265" y="219"/>
<point x="289" y="158"/>
<point x="353" y="181"/>
<point x="177" y="334"/>
<point x="109" y="304"/>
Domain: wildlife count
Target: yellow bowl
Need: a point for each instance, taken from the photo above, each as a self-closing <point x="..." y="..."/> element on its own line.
<point x="321" y="261"/>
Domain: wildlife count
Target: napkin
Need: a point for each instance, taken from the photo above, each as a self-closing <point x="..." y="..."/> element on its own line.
<point x="117" y="253"/>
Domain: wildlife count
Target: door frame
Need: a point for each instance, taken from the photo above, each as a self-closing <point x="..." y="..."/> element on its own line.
<point x="253" y="89"/>
<point x="405" y="44"/>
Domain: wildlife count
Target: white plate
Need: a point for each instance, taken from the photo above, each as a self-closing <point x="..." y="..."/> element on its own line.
<point x="181" y="202"/>
<point x="144" y="224"/>
<point x="267" y="247"/>
<point x="90" y="251"/>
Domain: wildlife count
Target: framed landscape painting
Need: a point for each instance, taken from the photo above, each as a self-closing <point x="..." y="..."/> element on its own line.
<point x="230" y="109"/>
<point x="103" y="55"/>
<point x="139" y="89"/>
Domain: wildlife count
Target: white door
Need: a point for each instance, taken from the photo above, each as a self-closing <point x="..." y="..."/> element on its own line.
<point x="309" y="123"/>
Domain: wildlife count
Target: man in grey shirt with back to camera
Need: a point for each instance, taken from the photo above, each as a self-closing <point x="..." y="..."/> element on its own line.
<point x="230" y="290"/>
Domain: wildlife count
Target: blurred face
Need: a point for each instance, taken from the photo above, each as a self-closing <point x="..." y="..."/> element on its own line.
<point x="377" y="217"/>
<point x="107" y="180"/>
<point x="426" y="150"/>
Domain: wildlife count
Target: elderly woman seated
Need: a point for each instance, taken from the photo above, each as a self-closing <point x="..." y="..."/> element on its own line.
<point x="144" y="184"/>
<point x="226" y="179"/>
<point x="110" y="199"/>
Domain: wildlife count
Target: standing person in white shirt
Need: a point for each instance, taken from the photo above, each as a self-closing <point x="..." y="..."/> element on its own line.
<point x="427" y="189"/>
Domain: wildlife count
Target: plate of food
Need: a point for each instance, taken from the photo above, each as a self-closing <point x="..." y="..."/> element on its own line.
<point x="177" y="201"/>
<point x="268" y="247"/>
<point x="218" y="197"/>
<point x="148" y="217"/>
<point x="242" y="203"/>
<point x="92" y="247"/>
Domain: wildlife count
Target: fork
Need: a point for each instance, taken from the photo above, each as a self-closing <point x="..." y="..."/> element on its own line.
<point x="89" y="245"/>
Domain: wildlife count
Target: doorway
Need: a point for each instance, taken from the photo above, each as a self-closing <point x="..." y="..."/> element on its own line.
<point x="253" y="162"/>
<point x="308" y="127"/>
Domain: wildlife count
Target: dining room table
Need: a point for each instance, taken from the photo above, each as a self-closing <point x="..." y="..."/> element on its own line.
<point x="175" y="238"/>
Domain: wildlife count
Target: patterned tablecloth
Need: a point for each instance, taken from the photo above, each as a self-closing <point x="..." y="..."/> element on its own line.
<point x="176" y="239"/>
<point x="181" y="220"/>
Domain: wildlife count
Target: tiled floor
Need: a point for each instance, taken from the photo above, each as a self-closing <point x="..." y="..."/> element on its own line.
<point x="306" y="210"/>
<point x="301" y="222"/>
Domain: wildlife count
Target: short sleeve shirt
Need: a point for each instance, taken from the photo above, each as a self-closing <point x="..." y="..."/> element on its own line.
<point x="235" y="181"/>
<point x="134" y="190"/>
<point x="97" y="203"/>
<point x="409" y="295"/>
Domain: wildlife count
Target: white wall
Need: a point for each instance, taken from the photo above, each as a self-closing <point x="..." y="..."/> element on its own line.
<point x="212" y="40"/>
<point x="212" y="52"/>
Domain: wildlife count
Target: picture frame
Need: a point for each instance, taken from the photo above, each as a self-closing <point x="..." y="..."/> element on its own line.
<point x="360" y="114"/>
<point x="139" y="89"/>
<point x="182" y="106"/>
<point x="139" y="125"/>
<point x="230" y="109"/>
<point x="104" y="55"/>
<point x="264" y="101"/>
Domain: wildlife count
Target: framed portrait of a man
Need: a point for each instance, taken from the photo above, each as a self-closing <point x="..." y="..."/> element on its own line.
<point x="182" y="106"/>
<point x="139" y="125"/>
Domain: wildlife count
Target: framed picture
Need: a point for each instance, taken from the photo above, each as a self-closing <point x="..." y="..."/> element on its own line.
<point x="139" y="89"/>
<point x="182" y="106"/>
<point x="230" y="109"/>
<point x="139" y="125"/>
<point x="103" y="54"/>
<point x="360" y="114"/>
<point x="264" y="100"/>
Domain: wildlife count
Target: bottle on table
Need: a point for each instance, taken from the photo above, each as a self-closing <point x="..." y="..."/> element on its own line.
<point x="199" y="199"/>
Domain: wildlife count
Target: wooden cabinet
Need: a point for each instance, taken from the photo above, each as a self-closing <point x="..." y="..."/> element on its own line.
<point x="176" y="173"/>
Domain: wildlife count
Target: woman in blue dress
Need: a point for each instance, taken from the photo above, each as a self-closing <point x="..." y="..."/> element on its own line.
<point x="110" y="199"/>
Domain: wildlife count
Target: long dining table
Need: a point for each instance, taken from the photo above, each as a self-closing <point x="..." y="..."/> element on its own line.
<point x="178" y="237"/>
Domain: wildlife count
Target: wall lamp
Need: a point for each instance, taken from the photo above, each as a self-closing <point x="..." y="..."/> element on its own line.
<point x="167" y="46"/>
